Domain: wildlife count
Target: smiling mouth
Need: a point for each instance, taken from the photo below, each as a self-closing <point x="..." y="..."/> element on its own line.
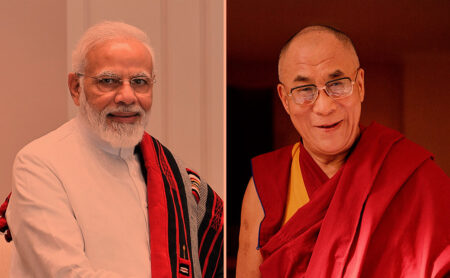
<point x="123" y="115"/>
<point x="329" y="126"/>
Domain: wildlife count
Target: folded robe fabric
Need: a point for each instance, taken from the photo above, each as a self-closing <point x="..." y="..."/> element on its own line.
<point x="385" y="213"/>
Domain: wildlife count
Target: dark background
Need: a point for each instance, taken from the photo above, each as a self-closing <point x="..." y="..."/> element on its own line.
<point x="403" y="46"/>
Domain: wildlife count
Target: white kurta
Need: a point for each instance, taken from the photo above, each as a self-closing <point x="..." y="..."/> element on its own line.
<point x="78" y="208"/>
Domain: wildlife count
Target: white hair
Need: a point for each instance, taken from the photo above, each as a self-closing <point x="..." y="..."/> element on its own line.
<point x="102" y="32"/>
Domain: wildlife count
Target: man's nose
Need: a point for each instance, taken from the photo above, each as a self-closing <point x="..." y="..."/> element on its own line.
<point x="324" y="104"/>
<point x="125" y="93"/>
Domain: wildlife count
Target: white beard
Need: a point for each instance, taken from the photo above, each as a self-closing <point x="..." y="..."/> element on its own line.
<point x="118" y="135"/>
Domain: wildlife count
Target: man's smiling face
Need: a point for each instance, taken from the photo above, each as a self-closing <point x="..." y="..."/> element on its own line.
<point x="118" y="115"/>
<point x="327" y="126"/>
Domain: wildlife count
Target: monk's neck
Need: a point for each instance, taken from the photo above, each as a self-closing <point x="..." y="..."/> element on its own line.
<point x="329" y="164"/>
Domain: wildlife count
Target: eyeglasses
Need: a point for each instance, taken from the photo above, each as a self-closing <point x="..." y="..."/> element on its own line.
<point x="336" y="89"/>
<point x="109" y="83"/>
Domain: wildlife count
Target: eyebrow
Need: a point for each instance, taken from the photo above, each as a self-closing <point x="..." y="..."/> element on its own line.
<point x="336" y="73"/>
<point x="113" y="74"/>
<point x="140" y="74"/>
<point x="107" y="73"/>
<point x="300" y="78"/>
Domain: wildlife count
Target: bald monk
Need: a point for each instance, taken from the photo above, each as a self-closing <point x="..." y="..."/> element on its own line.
<point x="345" y="201"/>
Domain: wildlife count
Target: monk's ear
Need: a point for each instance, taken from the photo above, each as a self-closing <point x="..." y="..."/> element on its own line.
<point x="283" y="96"/>
<point x="73" y="81"/>
<point x="360" y="84"/>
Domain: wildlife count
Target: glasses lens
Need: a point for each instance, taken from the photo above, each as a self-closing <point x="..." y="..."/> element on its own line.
<point x="339" y="88"/>
<point x="304" y="94"/>
<point x="140" y="84"/>
<point x="108" y="84"/>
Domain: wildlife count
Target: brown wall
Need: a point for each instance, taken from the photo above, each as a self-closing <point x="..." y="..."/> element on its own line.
<point x="426" y="103"/>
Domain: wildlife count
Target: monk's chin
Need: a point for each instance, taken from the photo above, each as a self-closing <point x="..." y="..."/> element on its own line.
<point x="329" y="149"/>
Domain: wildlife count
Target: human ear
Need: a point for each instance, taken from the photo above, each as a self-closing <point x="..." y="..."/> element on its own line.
<point x="73" y="81"/>
<point x="283" y="97"/>
<point x="360" y="84"/>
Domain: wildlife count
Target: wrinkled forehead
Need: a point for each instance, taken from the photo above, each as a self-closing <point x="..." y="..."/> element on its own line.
<point x="316" y="52"/>
<point x="119" y="48"/>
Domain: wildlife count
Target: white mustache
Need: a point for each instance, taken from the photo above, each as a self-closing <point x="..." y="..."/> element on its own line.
<point x="133" y="109"/>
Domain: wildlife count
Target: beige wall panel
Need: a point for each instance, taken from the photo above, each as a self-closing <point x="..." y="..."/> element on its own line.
<point x="33" y="76"/>
<point x="194" y="90"/>
<point x="185" y="89"/>
<point x="215" y="94"/>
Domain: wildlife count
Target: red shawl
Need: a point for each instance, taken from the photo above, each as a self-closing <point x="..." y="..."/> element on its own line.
<point x="170" y="239"/>
<point x="384" y="214"/>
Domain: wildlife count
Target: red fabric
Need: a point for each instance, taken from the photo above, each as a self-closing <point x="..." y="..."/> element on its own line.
<point x="216" y="223"/>
<point x="313" y="176"/>
<point x="157" y="211"/>
<point x="272" y="175"/>
<point x="384" y="214"/>
<point x="3" y="224"/>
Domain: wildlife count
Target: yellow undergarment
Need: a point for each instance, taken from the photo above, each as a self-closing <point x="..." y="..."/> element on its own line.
<point x="297" y="195"/>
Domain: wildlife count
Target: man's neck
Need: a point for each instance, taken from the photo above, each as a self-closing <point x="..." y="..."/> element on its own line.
<point x="329" y="164"/>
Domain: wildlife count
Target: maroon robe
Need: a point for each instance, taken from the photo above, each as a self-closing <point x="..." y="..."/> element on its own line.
<point x="385" y="213"/>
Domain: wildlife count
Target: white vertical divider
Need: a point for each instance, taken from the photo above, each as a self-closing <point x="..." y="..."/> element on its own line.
<point x="188" y="102"/>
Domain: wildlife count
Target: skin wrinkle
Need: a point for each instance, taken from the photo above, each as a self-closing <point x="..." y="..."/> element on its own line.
<point x="336" y="74"/>
<point x="345" y="41"/>
<point x="111" y="50"/>
<point x="304" y="58"/>
<point x="320" y="62"/>
<point x="105" y="110"/>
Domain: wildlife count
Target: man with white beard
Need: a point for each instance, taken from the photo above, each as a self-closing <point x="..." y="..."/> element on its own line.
<point x="99" y="197"/>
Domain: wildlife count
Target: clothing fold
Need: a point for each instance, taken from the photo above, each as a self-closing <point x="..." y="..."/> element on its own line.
<point x="367" y="203"/>
<point x="171" y="242"/>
